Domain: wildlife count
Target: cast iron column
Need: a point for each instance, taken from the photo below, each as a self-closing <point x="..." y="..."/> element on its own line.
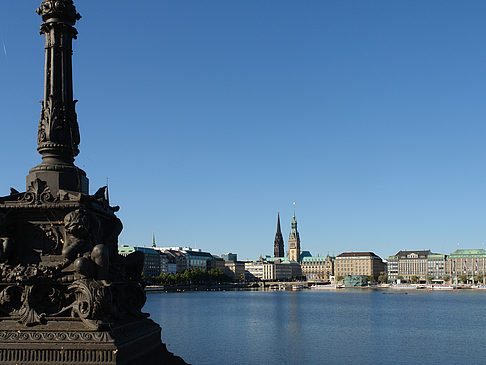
<point x="58" y="134"/>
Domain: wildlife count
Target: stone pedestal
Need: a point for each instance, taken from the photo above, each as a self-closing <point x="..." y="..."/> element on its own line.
<point x="68" y="342"/>
<point x="60" y="177"/>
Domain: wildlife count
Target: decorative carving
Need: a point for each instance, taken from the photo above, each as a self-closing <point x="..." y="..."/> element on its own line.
<point x="57" y="336"/>
<point x="10" y="299"/>
<point x="37" y="193"/>
<point x="52" y="238"/>
<point x="58" y="126"/>
<point x="78" y="240"/>
<point x="28" y="273"/>
<point x="28" y="313"/>
<point x="93" y="301"/>
<point x="60" y="10"/>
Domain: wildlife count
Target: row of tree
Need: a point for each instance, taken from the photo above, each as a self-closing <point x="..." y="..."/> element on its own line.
<point x="447" y="279"/>
<point x="192" y="277"/>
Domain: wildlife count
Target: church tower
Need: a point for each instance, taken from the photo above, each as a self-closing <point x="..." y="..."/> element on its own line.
<point x="294" y="241"/>
<point x="278" y="244"/>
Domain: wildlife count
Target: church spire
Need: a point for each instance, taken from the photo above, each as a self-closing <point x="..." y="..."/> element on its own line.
<point x="294" y="241"/>
<point x="153" y="240"/>
<point x="278" y="243"/>
<point x="294" y="223"/>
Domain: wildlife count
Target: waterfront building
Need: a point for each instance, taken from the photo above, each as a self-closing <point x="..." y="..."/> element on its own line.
<point x="164" y="262"/>
<point x="235" y="270"/>
<point x="278" y="243"/>
<point x="359" y="263"/>
<point x="153" y="263"/>
<point x="272" y="270"/>
<point x="294" y="241"/>
<point x="216" y="263"/>
<point x="254" y="271"/>
<point x="424" y="265"/>
<point x="318" y="268"/>
<point x="229" y="256"/>
<point x="467" y="262"/>
<point x="177" y="260"/>
<point x="413" y="263"/>
<point x="275" y="271"/>
<point x="294" y="267"/>
<point x="197" y="259"/>
<point x="194" y="258"/>
<point x="436" y="267"/>
<point x="392" y="268"/>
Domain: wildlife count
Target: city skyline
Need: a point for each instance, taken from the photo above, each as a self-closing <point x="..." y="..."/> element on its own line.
<point x="369" y="116"/>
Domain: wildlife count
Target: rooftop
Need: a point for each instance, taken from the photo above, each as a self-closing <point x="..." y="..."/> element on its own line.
<point x="469" y="252"/>
<point x="357" y="254"/>
<point x="421" y="254"/>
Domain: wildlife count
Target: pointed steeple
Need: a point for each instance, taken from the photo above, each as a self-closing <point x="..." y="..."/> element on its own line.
<point x="153" y="240"/>
<point x="278" y="243"/>
<point x="294" y="223"/>
<point x="294" y="241"/>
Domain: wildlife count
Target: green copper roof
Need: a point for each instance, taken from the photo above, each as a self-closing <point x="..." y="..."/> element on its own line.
<point x="313" y="259"/>
<point x="469" y="253"/>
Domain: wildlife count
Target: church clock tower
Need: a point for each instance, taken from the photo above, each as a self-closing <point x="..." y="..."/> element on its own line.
<point x="294" y="241"/>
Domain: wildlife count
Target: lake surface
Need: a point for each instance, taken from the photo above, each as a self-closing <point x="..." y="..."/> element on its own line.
<point x="308" y="327"/>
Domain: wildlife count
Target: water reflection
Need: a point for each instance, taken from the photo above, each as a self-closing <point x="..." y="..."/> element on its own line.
<point x="354" y="327"/>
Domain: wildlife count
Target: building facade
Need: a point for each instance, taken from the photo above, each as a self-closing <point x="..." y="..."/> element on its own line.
<point x="278" y="243"/>
<point x="216" y="263"/>
<point x="272" y="270"/>
<point x="359" y="263"/>
<point x="177" y="260"/>
<point x="425" y="266"/>
<point x="229" y="256"/>
<point x="235" y="270"/>
<point x="154" y="263"/>
<point x="468" y="263"/>
<point x="436" y="266"/>
<point x="413" y="264"/>
<point x="197" y="259"/>
<point x="318" y="268"/>
<point x="392" y="268"/>
<point x="254" y="270"/>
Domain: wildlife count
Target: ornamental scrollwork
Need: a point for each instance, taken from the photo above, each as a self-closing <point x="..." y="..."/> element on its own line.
<point x="59" y="9"/>
<point x="37" y="193"/>
<point x="92" y="301"/>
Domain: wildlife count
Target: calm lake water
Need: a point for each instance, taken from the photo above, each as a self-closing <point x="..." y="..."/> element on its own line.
<point x="307" y="327"/>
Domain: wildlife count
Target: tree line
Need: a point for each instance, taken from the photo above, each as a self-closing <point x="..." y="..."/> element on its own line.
<point x="192" y="277"/>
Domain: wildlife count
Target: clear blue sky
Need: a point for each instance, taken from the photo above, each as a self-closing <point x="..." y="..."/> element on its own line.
<point x="209" y="117"/>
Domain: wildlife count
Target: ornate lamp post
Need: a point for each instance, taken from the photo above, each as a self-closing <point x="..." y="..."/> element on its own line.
<point x="58" y="134"/>
<point x="66" y="295"/>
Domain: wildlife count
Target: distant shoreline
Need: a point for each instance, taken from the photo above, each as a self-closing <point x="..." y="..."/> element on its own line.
<point x="295" y="286"/>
